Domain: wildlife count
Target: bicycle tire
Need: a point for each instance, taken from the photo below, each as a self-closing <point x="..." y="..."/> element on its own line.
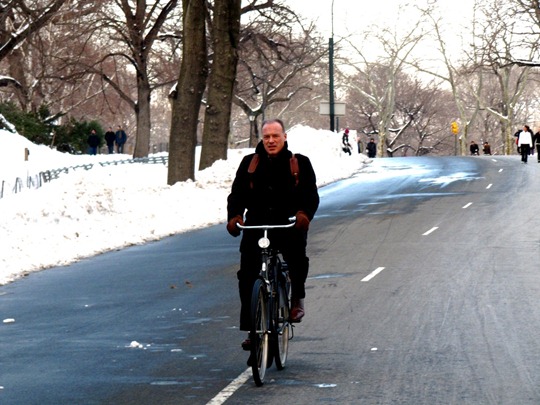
<point x="282" y="324"/>
<point x="259" y="333"/>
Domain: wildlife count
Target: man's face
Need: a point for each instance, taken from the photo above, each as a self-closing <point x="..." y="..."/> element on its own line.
<point x="273" y="138"/>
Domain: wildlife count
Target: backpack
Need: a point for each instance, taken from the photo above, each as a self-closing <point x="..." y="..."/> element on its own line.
<point x="295" y="169"/>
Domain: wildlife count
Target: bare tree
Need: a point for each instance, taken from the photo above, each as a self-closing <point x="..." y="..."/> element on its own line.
<point x="495" y="36"/>
<point x="225" y="33"/>
<point x="189" y="92"/>
<point x="44" y="64"/>
<point x="500" y="37"/>
<point x="378" y="80"/>
<point x="134" y="38"/>
<point x="272" y="56"/>
<point x="418" y="121"/>
<point x="20" y="19"/>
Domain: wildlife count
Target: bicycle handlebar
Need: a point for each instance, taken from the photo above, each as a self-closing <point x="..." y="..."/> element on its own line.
<point x="265" y="227"/>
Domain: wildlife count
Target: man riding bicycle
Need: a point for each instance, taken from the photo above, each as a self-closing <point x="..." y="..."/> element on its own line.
<point x="270" y="189"/>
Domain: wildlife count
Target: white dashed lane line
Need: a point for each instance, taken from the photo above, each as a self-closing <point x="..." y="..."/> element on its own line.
<point x="372" y="274"/>
<point x="430" y="231"/>
<point x="230" y="389"/>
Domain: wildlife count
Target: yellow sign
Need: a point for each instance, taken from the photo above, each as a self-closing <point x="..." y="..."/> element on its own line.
<point x="455" y="127"/>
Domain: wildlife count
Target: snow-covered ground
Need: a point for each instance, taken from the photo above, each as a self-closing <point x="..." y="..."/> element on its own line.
<point x="86" y="212"/>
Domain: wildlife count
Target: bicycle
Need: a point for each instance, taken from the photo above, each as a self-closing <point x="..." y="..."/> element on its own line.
<point x="271" y="328"/>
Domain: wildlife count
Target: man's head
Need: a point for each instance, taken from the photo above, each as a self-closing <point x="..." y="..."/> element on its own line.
<point x="274" y="136"/>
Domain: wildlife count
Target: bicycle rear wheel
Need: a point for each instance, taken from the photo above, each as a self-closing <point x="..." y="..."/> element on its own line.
<point x="282" y="325"/>
<point x="259" y="333"/>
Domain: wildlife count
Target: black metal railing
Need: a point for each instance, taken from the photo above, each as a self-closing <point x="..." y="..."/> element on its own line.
<point x="36" y="181"/>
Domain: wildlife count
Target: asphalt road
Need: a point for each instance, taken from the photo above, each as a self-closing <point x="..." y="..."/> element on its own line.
<point x="423" y="289"/>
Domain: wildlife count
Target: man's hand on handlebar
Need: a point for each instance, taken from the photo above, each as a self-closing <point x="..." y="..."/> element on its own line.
<point x="232" y="227"/>
<point x="302" y="221"/>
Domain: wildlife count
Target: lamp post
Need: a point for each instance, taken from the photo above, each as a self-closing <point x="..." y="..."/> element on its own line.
<point x="331" y="71"/>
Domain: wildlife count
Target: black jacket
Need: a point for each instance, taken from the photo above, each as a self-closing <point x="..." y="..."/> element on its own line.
<point x="371" y="148"/>
<point x="93" y="140"/>
<point x="536" y="139"/>
<point x="110" y="137"/>
<point x="274" y="196"/>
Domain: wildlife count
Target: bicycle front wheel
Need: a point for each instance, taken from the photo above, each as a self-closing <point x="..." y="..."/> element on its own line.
<point x="259" y="333"/>
<point x="282" y="326"/>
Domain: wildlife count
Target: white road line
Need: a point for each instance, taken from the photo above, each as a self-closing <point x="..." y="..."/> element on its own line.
<point x="372" y="274"/>
<point x="500" y="170"/>
<point x="489" y="186"/>
<point x="467" y="205"/>
<point x="430" y="231"/>
<point x="230" y="389"/>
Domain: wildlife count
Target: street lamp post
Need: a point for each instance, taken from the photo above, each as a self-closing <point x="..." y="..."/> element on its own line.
<point x="331" y="71"/>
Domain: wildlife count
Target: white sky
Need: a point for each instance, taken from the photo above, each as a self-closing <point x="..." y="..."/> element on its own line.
<point x="356" y="16"/>
<point x="108" y="207"/>
<point x="352" y="18"/>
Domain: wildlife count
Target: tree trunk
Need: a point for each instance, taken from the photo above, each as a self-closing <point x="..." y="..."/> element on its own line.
<point x="142" y="116"/>
<point x="16" y="70"/>
<point x="253" y="131"/>
<point x="217" y="117"/>
<point x="190" y="88"/>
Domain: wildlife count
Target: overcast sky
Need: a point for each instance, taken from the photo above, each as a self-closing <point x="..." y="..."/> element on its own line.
<point x="352" y="18"/>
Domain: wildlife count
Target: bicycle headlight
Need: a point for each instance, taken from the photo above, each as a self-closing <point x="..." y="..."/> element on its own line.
<point x="264" y="243"/>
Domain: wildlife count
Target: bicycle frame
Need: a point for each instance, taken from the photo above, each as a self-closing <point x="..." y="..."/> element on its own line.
<point x="271" y="329"/>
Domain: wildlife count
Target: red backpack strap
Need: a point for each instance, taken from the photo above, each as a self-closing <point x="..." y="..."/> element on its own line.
<point x="252" y="167"/>
<point x="295" y="169"/>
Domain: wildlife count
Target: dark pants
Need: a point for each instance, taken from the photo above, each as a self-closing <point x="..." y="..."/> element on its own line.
<point x="538" y="151"/>
<point x="292" y="244"/>
<point x="525" y="149"/>
<point x="111" y="148"/>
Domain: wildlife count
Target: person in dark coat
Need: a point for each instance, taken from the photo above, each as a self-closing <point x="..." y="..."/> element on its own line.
<point x="371" y="148"/>
<point x="110" y="137"/>
<point x="536" y="142"/>
<point x="474" y="149"/>
<point x="93" y="142"/>
<point x="120" y="140"/>
<point x="269" y="196"/>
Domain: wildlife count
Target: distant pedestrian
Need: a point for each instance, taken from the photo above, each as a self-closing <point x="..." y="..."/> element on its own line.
<point x="347" y="148"/>
<point x="525" y="142"/>
<point x="475" y="150"/>
<point x="120" y="140"/>
<point x="371" y="148"/>
<point x="359" y="143"/>
<point x="536" y="142"/>
<point x="110" y="137"/>
<point x="93" y="142"/>
<point x="487" y="148"/>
